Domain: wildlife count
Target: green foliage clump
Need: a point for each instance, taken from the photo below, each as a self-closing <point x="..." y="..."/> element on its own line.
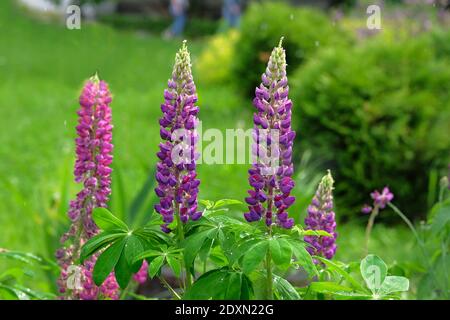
<point x="305" y="30"/>
<point x="379" y="115"/>
<point x="214" y="62"/>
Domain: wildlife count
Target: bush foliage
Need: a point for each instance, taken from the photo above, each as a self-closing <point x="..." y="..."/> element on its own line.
<point x="377" y="114"/>
<point x="305" y="30"/>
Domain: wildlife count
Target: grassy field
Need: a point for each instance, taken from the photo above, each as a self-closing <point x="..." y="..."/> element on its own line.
<point x="42" y="69"/>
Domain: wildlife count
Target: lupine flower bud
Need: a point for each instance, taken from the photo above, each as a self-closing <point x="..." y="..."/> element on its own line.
<point x="92" y="170"/>
<point x="176" y="170"/>
<point x="322" y="217"/>
<point x="366" y="209"/>
<point x="272" y="139"/>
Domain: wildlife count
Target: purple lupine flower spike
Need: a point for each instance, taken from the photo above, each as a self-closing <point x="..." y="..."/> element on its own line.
<point x="321" y="217"/>
<point x="272" y="139"/>
<point x="92" y="169"/>
<point x="176" y="170"/>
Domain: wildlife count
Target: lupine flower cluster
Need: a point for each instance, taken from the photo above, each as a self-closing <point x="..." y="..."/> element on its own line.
<point x="380" y="200"/>
<point x="272" y="184"/>
<point x="141" y="276"/>
<point x="322" y="217"/>
<point x="176" y="170"/>
<point x="92" y="169"/>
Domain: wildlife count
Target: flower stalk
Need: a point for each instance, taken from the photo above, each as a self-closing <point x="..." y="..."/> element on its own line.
<point x="92" y="169"/>
<point x="176" y="170"/>
<point x="272" y="168"/>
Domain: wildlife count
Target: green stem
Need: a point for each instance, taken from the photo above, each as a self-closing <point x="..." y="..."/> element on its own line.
<point x="269" y="295"/>
<point x="131" y="287"/>
<point x="169" y="287"/>
<point x="180" y="230"/>
<point x="408" y="223"/>
<point x="369" y="229"/>
<point x="441" y="194"/>
<point x="419" y="241"/>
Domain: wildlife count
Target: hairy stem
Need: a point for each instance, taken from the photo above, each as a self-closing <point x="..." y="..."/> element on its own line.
<point x="369" y="228"/>
<point x="269" y="293"/>
<point x="419" y="241"/>
<point x="169" y="287"/>
<point x="408" y="223"/>
<point x="180" y="230"/>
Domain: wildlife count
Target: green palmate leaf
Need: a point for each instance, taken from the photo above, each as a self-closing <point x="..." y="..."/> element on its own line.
<point x="302" y="232"/>
<point x="254" y="256"/>
<point x="329" y="288"/>
<point x="217" y="257"/>
<point x="194" y="243"/>
<point x="374" y="271"/>
<point x="105" y="220"/>
<point x="14" y="292"/>
<point x="281" y="251"/>
<point x="155" y="266"/>
<point x="303" y="258"/>
<point x="316" y="233"/>
<point x="148" y="254"/>
<point x="220" y="284"/>
<point x="99" y="242"/>
<point x="233" y="252"/>
<point x="246" y="288"/>
<point x="25" y="257"/>
<point x="394" y="284"/>
<point x="440" y="217"/>
<point x="284" y="290"/>
<point x="107" y="261"/>
<point x="133" y="248"/>
<point x="175" y="264"/>
<point x="123" y="271"/>
<point x="33" y="293"/>
<point x="208" y="204"/>
<point x="233" y="290"/>
<point x="344" y="274"/>
<point x="211" y="285"/>
<point x="226" y="202"/>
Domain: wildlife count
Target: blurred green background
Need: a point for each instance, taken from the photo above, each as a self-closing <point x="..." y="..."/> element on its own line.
<point x="371" y="105"/>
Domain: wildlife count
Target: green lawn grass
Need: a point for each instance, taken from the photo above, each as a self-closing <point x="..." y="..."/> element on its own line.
<point x="42" y="69"/>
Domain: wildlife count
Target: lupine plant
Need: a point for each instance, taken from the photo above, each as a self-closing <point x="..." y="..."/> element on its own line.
<point x="212" y="254"/>
<point x="92" y="169"/>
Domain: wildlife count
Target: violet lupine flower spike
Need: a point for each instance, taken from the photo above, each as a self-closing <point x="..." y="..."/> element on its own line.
<point x="176" y="169"/>
<point x="92" y="170"/>
<point x="322" y="217"/>
<point x="272" y="184"/>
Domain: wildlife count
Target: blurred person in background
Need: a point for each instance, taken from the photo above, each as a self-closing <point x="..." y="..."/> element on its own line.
<point x="231" y="12"/>
<point x="178" y="10"/>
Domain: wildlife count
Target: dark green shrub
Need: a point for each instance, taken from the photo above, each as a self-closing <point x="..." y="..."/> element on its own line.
<point x="305" y="30"/>
<point x="378" y="115"/>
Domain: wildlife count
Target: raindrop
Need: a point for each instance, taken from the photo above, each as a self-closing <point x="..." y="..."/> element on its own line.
<point x="317" y="43"/>
<point x="291" y="16"/>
